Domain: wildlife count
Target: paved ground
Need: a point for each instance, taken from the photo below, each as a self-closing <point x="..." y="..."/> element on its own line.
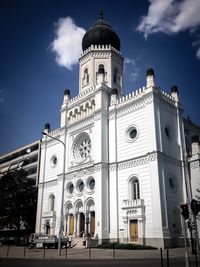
<point x="14" y="256"/>
<point x="82" y="253"/>
<point x="4" y="262"/>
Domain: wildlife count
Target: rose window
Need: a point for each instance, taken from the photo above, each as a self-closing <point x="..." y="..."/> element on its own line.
<point x="82" y="147"/>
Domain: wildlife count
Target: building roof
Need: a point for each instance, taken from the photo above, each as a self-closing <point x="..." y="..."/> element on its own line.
<point x="101" y="33"/>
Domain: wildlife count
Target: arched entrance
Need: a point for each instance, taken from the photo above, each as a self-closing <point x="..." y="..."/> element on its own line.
<point x="69" y="219"/>
<point x="90" y="217"/>
<point x="80" y="219"/>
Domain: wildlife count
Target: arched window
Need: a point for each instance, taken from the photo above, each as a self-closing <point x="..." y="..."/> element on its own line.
<point x="85" y="79"/>
<point x="86" y="75"/>
<point x="101" y="69"/>
<point x="134" y="189"/>
<point x="115" y="75"/>
<point x="51" y="202"/>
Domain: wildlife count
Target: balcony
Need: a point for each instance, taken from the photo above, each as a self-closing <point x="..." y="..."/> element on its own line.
<point x="48" y="214"/>
<point x="132" y="203"/>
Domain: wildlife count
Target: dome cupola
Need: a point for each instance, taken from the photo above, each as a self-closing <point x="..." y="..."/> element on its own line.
<point x="100" y="33"/>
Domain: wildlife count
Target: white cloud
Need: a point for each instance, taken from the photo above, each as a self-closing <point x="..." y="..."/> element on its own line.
<point x="67" y="42"/>
<point x="170" y="17"/>
<point x="198" y="53"/>
<point x="133" y="69"/>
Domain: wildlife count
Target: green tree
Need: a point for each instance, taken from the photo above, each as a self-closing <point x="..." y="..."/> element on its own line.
<point x="18" y="200"/>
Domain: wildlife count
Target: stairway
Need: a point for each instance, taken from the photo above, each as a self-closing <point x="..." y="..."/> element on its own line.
<point x="78" y="242"/>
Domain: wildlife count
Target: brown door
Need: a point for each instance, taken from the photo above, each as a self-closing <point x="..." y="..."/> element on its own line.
<point x="82" y="224"/>
<point x="71" y="224"/>
<point x="92" y="223"/>
<point x="133" y="230"/>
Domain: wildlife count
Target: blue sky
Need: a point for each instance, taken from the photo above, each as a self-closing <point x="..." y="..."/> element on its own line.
<point x="38" y="59"/>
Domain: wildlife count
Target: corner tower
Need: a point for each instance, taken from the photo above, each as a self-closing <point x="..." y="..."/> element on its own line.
<point x="101" y="57"/>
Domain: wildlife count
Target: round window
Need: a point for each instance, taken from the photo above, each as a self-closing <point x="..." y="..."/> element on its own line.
<point x="80" y="186"/>
<point x="131" y="133"/>
<point x="91" y="184"/>
<point x="82" y="147"/>
<point x="70" y="188"/>
<point x="54" y="161"/>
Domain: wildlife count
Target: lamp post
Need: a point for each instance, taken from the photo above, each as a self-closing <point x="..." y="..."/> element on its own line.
<point x="60" y="233"/>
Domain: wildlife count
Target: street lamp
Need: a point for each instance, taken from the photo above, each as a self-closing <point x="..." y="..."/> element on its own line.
<point x="60" y="234"/>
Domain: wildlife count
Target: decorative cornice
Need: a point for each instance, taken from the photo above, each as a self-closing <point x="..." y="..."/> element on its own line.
<point x="99" y="114"/>
<point x="113" y="167"/>
<point x="112" y="114"/>
<point x="101" y="166"/>
<point x="135" y="104"/>
<point x="138" y="161"/>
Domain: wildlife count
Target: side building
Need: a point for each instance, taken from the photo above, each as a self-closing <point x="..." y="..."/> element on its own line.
<point x="26" y="157"/>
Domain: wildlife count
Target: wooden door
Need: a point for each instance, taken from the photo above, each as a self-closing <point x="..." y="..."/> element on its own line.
<point x="92" y="223"/>
<point x="134" y="230"/>
<point x="81" y="224"/>
<point x="71" y="224"/>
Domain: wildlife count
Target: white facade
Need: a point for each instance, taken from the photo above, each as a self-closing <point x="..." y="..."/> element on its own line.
<point x="124" y="176"/>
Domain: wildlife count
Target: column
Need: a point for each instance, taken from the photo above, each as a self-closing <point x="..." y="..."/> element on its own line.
<point x="65" y="222"/>
<point x="75" y="222"/>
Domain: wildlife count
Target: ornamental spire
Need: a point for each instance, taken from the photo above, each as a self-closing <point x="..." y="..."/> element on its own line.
<point x="101" y="14"/>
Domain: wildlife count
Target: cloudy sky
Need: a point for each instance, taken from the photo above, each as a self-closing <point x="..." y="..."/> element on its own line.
<point x="41" y="43"/>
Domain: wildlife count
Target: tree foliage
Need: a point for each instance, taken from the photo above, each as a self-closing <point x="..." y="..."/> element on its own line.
<point x="18" y="200"/>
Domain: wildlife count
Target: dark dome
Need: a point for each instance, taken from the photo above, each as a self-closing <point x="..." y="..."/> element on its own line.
<point x="100" y="33"/>
<point x="150" y="72"/>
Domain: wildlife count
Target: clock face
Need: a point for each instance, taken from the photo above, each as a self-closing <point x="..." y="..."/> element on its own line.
<point x="81" y="147"/>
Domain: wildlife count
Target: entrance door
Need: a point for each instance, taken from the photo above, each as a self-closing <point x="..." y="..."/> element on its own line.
<point x="92" y="223"/>
<point x="82" y="224"/>
<point x="71" y="224"/>
<point x="133" y="230"/>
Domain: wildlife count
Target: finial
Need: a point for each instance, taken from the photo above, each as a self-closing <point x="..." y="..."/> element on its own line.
<point x="101" y="14"/>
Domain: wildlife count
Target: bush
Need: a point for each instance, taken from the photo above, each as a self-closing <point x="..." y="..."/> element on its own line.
<point x="124" y="246"/>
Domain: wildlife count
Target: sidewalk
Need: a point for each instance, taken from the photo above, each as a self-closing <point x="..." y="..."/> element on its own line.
<point x="86" y="253"/>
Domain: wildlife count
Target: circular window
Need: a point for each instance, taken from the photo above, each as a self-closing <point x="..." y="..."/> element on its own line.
<point x="70" y="188"/>
<point x="131" y="133"/>
<point x="54" y="161"/>
<point x="82" y="147"/>
<point x="80" y="186"/>
<point x="91" y="183"/>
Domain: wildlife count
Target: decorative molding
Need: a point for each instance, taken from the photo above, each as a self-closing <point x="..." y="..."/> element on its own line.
<point x="113" y="167"/>
<point x="194" y="164"/>
<point x="80" y="173"/>
<point x="112" y="114"/>
<point x="81" y="125"/>
<point x="49" y="183"/>
<point x="99" y="114"/>
<point x="138" y="161"/>
<point x="136" y="104"/>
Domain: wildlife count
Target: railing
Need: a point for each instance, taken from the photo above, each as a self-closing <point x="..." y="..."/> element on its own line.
<point x="132" y="203"/>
